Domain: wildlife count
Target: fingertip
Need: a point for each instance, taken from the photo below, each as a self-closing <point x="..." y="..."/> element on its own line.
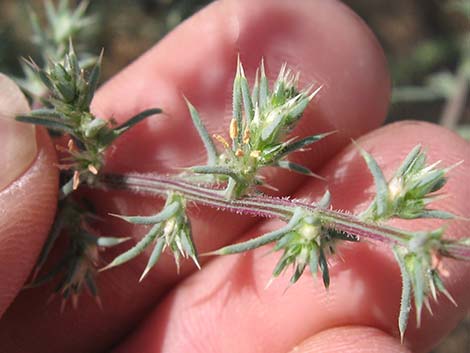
<point x="351" y="339"/>
<point x="27" y="208"/>
<point x="324" y="40"/>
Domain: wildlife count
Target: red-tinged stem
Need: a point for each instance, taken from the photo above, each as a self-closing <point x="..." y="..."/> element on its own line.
<point x="261" y="206"/>
<point x="457" y="251"/>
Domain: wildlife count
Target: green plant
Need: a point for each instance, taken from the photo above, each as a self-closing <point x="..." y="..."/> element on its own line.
<point x="263" y="116"/>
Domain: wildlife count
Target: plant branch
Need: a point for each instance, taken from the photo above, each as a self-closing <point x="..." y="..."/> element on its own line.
<point x="262" y="206"/>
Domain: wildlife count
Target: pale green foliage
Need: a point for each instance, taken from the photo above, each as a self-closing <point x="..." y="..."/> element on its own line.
<point x="170" y="229"/>
<point x="63" y="22"/>
<point x="406" y="195"/>
<point x="67" y="111"/>
<point x="261" y="119"/>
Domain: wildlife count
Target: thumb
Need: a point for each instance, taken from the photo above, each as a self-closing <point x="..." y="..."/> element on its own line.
<point x="351" y="339"/>
<point x="28" y="192"/>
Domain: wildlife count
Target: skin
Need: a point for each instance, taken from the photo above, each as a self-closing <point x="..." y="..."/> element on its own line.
<point x="224" y="307"/>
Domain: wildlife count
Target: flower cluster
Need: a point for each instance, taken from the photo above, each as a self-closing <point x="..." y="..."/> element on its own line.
<point x="67" y="111"/>
<point x="261" y="120"/>
<point x="170" y="229"/>
<point x="407" y="194"/>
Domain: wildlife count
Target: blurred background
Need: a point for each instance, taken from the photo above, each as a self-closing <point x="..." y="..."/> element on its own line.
<point x="427" y="43"/>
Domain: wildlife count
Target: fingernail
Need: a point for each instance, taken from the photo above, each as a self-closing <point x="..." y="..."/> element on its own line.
<point x="17" y="140"/>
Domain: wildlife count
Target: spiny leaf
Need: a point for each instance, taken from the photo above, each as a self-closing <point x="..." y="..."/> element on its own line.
<point x="304" y="142"/>
<point x="418" y="289"/>
<point x="218" y="170"/>
<point x="46" y="113"/>
<point x="93" y="80"/>
<point x="47" y="122"/>
<point x="237" y="100"/>
<point x="382" y="197"/>
<point x="408" y="162"/>
<point x="437" y="214"/>
<point x="203" y="134"/>
<point x="275" y="120"/>
<point x="325" y="201"/>
<point x="247" y="102"/>
<point x="298" y="169"/>
<point x="405" y="304"/>
<point x="137" y="249"/>
<point x="136" y="119"/>
<point x="255" y="90"/>
<point x="263" y="87"/>
<point x="441" y="288"/>
<point x="261" y="240"/>
<point x="324" y="268"/>
<point x="108" y="242"/>
<point x="154" y="257"/>
<point x="167" y="212"/>
<point x="314" y="261"/>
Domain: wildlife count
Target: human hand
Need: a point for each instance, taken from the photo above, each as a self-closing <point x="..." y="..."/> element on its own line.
<point x="224" y="307"/>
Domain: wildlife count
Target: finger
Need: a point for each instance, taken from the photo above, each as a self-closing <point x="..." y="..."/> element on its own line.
<point x="350" y="339"/>
<point x="351" y="99"/>
<point x="28" y="192"/>
<point x="320" y="39"/>
<point x="226" y="308"/>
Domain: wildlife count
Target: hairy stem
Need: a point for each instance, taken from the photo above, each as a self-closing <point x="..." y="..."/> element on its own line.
<point x="262" y="206"/>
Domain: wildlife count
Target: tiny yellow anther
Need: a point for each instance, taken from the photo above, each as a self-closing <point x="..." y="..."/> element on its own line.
<point x="246" y="136"/>
<point x="255" y="154"/>
<point x="221" y="140"/>
<point x="233" y="129"/>
<point x="239" y="153"/>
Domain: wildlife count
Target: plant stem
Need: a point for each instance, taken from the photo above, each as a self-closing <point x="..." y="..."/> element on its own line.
<point x="263" y="206"/>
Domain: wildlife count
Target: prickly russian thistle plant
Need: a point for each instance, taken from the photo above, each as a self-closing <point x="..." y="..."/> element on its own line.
<point x="263" y="116"/>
